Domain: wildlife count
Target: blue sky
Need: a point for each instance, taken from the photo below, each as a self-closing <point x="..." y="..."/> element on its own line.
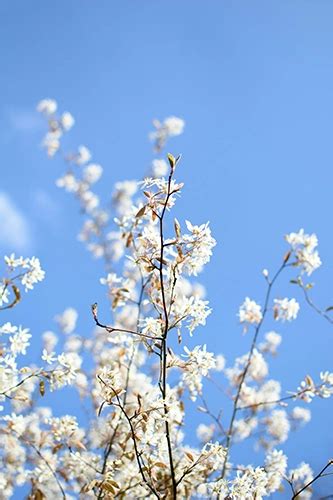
<point x="254" y="82"/>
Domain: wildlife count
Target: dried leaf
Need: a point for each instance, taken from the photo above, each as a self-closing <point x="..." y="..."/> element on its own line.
<point x="114" y="483"/>
<point x="287" y="256"/>
<point x="89" y="486"/>
<point x="129" y="240"/>
<point x="56" y="448"/>
<point x="106" y="486"/>
<point x="17" y="294"/>
<point x="160" y="464"/>
<point x="142" y="211"/>
<point x="79" y="445"/>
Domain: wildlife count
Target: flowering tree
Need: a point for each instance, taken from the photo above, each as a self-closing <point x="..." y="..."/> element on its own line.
<point x="140" y="373"/>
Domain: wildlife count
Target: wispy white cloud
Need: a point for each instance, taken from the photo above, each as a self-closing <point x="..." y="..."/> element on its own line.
<point x="45" y="207"/>
<point x="19" y="124"/>
<point x="15" y="231"/>
<point x="23" y="120"/>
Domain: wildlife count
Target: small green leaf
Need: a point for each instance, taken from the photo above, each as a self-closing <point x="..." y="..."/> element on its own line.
<point x="42" y="388"/>
<point x="172" y="160"/>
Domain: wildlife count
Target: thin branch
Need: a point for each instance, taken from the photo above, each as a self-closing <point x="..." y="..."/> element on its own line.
<point x="53" y="472"/>
<point x="214" y="417"/>
<point x="4" y="393"/>
<point x="109" y="446"/>
<point x="320" y="474"/>
<point x="277" y="401"/>
<point x="247" y="366"/>
<point x="313" y="305"/>
<point x="112" y="329"/>
<point x="137" y="454"/>
<point x="163" y="366"/>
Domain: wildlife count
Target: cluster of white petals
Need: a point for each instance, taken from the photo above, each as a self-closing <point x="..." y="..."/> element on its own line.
<point x="301" y="414"/>
<point x="199" y="363"/>
<point x="278" y="425"/>
<point x="170" y="127"/>
<point x="57" y="125"/>
<point x="307" y="389"/>
<point x="67" y="320"/>
<point x="198" y="245"/>
<point x="127" y="371"/>
<point x="304" y="247"/>
<point x="28" y="271"/>
<point x="285" y="309"/>
<point x="257" y="370"/>
<point x="271" y="342"/>
<point x="300" y="476"/>
<point x="19" y="271"/>
<point x="250" y="312"/>
<point x="159" y="168"/>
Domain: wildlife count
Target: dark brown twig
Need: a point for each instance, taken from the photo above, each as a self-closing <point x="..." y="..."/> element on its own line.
<point x="320" y="474"/>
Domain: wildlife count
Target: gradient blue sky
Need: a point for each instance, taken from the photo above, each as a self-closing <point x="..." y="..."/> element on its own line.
<point x="254" y="82"/>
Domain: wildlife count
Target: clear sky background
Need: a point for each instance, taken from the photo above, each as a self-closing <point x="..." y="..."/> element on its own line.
<point x="254" y="82"/>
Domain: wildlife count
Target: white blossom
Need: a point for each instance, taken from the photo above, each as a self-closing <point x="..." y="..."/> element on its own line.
<point x="92" y="173"/>
<point x="285" y="309"/>
<point x="68" y="182"/>
<point x="243" y="428"/>
<point x="34" y="274"/>
<point x="51" y="142"/>
<point x="67" y="121"/>
<point x="198" y="365"/>
<point x="271" y="342"/>
<point x="170" y="127"/>
<point x="83" y="155"/>
<point x="275" y="466"/>
<point x="250" y="312"/>
<point x="67" y="320"/>
<point x="8" y="328"/>
<point x="205" y="432"/>
<point x="174" y="125"/>
<point x="20" y="341"/>
<point x="278" y="425"/>
<point x="249" y="484"/>
<point x="301" y="476"/>
<point x="257" y="370"/>
<point x="265" y="273"/>
<point x="159" y="168"/>
<point x="199" y="244"/>
<point x="47" y="106"/>
<point x="301" y="414"/>
<point x="304" y="246"/>
<point x="49" y="357"/>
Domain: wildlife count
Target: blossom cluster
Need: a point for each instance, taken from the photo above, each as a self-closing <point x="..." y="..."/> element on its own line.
<point x="130" y="373"/>
<point x="170" y="127"/>
<point x="19" y="271"/>
<point x="304" y="247"/>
